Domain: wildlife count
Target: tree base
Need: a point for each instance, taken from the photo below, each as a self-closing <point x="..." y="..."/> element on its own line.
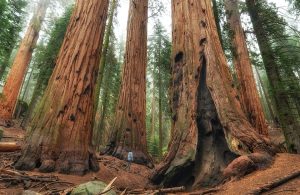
<point x="66" y="162"/>
<point x="122" y="152"/>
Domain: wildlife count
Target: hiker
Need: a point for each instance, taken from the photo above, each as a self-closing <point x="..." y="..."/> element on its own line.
<point x="129" y="160"/>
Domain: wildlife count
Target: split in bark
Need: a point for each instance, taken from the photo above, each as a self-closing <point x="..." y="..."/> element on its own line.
<point x="210" y="129"/>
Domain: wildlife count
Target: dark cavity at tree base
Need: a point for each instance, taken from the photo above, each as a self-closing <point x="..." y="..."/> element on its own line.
<point x="213" y="162"/>
<point x="66" y="162"/>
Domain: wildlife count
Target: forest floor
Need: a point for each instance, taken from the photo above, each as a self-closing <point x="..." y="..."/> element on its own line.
<point x="136" y="180"/>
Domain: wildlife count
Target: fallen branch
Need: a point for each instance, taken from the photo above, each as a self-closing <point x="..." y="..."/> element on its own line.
<point x="55" y="182"/>
<point x="159" y="191"/>
<point x="108" y="187"/>
<point x="9" y="147"/>
<point x="170" y="190"/>
<point x="275" y="183"/>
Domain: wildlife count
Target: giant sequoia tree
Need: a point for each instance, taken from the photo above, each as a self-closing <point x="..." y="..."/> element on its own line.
<point x="17" y="73"/>
<point x="268" y="34"/>
<point x="61" y="132"/>
<point x="129" y="130"/>
<point x="210" y="128"/>
<point x="248" y="93"/>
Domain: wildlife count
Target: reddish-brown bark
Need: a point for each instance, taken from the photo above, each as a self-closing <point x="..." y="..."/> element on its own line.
<point x="248" y="93"/>
<point x="17" y="73"/>
<point x="209" y="126"/>
<point x="129" y="130"/>
<point x="61" y="131"/>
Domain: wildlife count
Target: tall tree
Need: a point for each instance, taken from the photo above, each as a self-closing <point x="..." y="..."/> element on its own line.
<point x="248" y="93"/>
<point x="129" y="130"/>
<point x="210" y="128"/>
<point x="61" y="134"/>
<point x="17" y="73"/>
<point x="11" y="20"/>
<point x="290" y="124"/>
<point x="109" y="93"/>
<point x="107" y="36"/>
<point x="159" y="63"/>
<point x="45" y="60"/>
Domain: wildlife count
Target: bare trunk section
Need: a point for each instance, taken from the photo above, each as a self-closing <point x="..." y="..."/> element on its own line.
<point x="129" y="130"/>
<point x="289" y="122"/>
<point x="248" y="93"/>
<point x="61" y="131"/>
<point x="209" y="126"/>
<point x="17" y="73"/>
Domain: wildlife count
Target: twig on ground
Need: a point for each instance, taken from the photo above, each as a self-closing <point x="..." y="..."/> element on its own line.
<point x="275" y="183"/>
<point x="55" y="182"/>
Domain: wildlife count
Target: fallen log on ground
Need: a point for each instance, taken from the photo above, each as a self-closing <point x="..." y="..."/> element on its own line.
<point x="9" y="147"/>
<point x="275" y="183"/>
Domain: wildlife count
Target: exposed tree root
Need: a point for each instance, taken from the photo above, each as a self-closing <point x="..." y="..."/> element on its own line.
<point x="67" y="162"/>
<point x="246" y="164"/>
<point x="275" y="183"/>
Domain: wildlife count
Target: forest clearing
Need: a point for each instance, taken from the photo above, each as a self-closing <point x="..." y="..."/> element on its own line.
<point x="182" y="97"/>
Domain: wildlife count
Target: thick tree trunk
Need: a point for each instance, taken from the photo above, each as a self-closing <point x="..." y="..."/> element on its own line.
<point x="287" y="120"/>
<point x="129" y="130"/>
<point x="248" y="93"/>
<point x="61" y="132"/>
<point x="210" y="128"/>
<point x="17" y="73"/>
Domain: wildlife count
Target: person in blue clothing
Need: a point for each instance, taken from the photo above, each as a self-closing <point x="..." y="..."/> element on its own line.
<point x="129" y="159"/>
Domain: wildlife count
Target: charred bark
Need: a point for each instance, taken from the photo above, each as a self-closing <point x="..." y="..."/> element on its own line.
<point x="129" y="130"/>
<point x="60" y="136"/>
<point x="209" y="126"/>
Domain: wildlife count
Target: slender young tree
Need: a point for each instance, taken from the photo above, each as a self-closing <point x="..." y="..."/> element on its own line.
<point x="209" y="126"/>
<point x="129" y="130"/>
<point x="248" y="92"/>
<point x="17" y="73"/>
<point x="107" y="36"/>
<point x="61" y="131"/>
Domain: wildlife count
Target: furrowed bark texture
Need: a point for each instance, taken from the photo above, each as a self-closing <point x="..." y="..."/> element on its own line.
<point x="129" y="130"/>
<point x="289" y="122"/>
<point x="61" y="131"/>
<point x="209" y="126"/>
<point x="17" y="73"/>
<point x="248" y="93"/>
